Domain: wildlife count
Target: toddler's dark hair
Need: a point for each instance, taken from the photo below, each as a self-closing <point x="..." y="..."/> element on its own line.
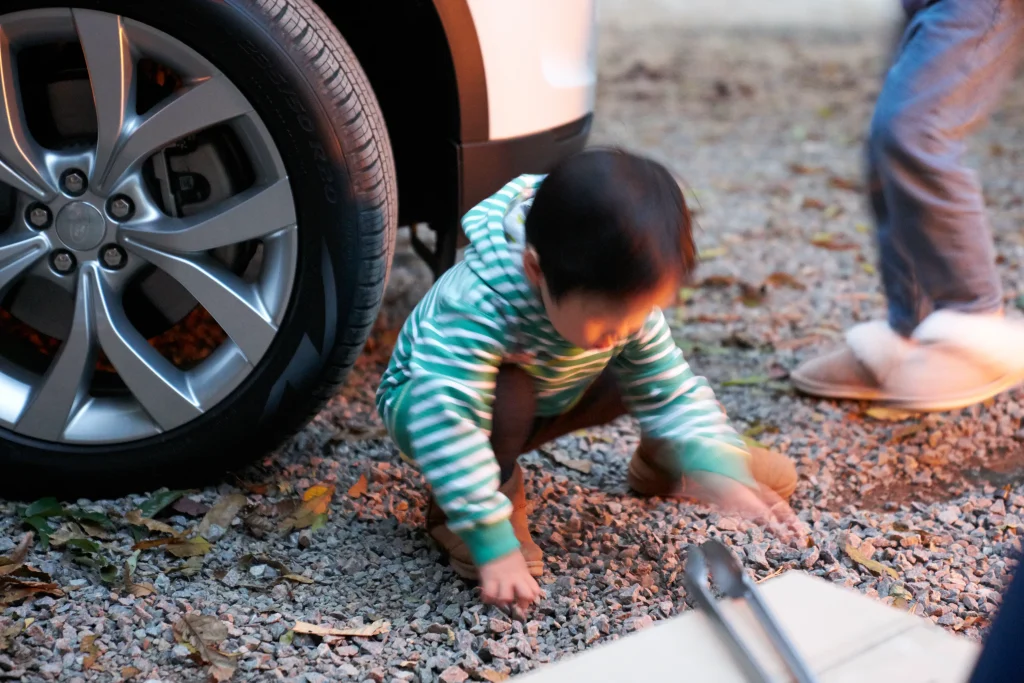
<point x="608" y="222"/>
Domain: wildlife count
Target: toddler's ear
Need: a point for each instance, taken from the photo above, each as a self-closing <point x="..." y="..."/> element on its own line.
<point x="531" y="266"/>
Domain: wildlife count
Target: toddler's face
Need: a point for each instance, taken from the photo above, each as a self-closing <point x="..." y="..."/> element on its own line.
<point x="594" y="322"/>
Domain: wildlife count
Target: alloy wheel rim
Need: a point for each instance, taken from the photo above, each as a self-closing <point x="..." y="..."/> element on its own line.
<point x="87" y="221"/>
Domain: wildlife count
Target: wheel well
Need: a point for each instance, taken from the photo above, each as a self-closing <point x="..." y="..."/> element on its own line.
<point x="407" y="59"/>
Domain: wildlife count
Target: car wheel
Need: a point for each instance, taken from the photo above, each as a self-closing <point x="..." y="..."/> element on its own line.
<point x="197" y="217"/>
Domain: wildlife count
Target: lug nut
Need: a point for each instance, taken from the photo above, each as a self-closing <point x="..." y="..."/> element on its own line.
<point x="63" y="262"/>
<point x="39" y="216"/>
<point x="73" y="182"/>
<point x="114" y="256"/>
<point x="121" y="207"/>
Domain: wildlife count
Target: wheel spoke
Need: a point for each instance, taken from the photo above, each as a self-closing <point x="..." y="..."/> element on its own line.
<point x="249" y="215"/>
<point x="17" y="256"/>
<point x="112" y="75"/>
<point x="159" y="387"/>
<point x="200" y="105"/>
<point x="233" y="303"/>
<point x="66" y="382"/>
<point x="21" y="159"/>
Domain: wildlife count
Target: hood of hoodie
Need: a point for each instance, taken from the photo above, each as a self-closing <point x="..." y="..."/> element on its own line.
<point x="496" y="230"/>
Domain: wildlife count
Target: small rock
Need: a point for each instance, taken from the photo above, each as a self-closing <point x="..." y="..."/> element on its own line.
<point x="592" y="634"/>
<point x="305" y="539"/>
<point x="346" y="651"/>
<point x="421" y="612"/>
<point x="453" y="674"/>
<point x="615" y="508"/>
<point x="257" y="571"/>
<point x="809" y="557"/>
<point x="181" y="652"/>
<point x="500" y="626"/>
<point x="492" y="650"/>
<point x="313" y="677"/>
<point x="951" y="514"/>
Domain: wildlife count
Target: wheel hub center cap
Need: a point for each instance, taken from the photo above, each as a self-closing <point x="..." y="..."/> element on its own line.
<point x="81" y="226"/>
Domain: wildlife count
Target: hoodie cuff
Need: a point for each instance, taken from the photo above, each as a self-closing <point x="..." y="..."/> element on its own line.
<point x="490" y="542"/>
<point x="719" y="458"/>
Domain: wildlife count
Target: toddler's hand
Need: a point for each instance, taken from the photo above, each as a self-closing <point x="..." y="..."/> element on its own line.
<point x="732" y="495"/>
<point x="507" y="581"/>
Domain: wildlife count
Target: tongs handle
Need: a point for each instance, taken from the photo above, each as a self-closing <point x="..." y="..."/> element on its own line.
<point x="793" y="660"/>
<point x="695" y="577"/>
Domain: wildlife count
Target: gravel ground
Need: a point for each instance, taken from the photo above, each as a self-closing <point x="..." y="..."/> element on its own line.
<point x="766" y="129"/>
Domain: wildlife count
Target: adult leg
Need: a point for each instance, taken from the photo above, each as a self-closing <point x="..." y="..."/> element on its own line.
<point x="945" y="345"/>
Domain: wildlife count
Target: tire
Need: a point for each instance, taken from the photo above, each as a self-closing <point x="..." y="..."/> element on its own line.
<point x="306" y="85"/>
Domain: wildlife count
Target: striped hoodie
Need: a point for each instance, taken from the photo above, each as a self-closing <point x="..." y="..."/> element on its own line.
<point x="438" y="391"/>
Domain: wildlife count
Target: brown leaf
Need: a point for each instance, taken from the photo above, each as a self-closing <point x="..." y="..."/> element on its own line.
<point x="841" y="183"/>
<point x="135" y="518"/>
<point x="888" y="414"/>
<point x="803" y="169"/>
<point x="13" y="561"/>
<point x="13" y="589"/>
<point x="375" y="629"/>
<point x="833" y="242"/>
<point x="316" y="502"/>
<point x="91" y="652"/>
<point x="95" y="530"/>
<point x="718" y="281"/>
<point x="905" y="431"/>
<point x="222" y="513"/>
<point x="191" y="547"/>
<point x="780" y="279"/>
<point x="129" y="672"/>
<point x="191" y="567"/>
<point x="190" y="507"/>
<point x="141" y="590"/>
<point x="561" y="458"/>
<point x="493" y="676"/>
<point x="153" y="543"/>
<point x="752" y="295"/>
<point x="873" y="566"/>
<point x="10" y="633"/>
<point x="68" y="531"/>
<point x="812" y="203"/>
<point x="359" y="488"/>
<point x="298" y="578"/>
<point x="204" y="634"/>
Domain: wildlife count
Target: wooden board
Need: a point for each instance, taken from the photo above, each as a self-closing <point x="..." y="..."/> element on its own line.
<point x="843" y="635"/>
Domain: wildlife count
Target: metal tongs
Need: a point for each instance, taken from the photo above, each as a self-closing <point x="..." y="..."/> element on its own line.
<point x="733" y="582"/>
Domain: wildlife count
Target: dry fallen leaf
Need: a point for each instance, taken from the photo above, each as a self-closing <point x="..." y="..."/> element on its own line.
<point x="10" y="633"/>
<point x="375" y="629"/>
<point x="190" y="507"/>
<point x="888" y="414"/>
<point x="222" y="513"/>
<point x="561" y="458"/>
<point x="713" y="253"/>
<point x="780" y="279"/>
<point x="833" y="242"/>
<point x="873" y="566"/>
<point x="13" y="589"/>
<point x="191" y="567"/>
<point x="91" y="652"/>
<point x="13" y="561"/>
<point x="298" y="578"/>
<point x="192" y="547"/>
<point x="841" y="183"/>
<point x="69" y="531"/>
<point x="908" y="430"/>
<point x="204" y="634"/>
<point x="493" y="676"/>
<point x="135" y="518"/>
<point x="316" y="502"/>
<point x="358" y="488"/>
<point x="129" y="672"/>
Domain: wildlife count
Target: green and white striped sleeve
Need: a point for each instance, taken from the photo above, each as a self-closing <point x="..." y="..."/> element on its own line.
<point x="677" y="408"/>
<point x="452" y="373"/>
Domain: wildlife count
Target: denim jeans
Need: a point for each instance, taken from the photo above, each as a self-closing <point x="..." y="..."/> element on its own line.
<point x="936" y="252"/>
